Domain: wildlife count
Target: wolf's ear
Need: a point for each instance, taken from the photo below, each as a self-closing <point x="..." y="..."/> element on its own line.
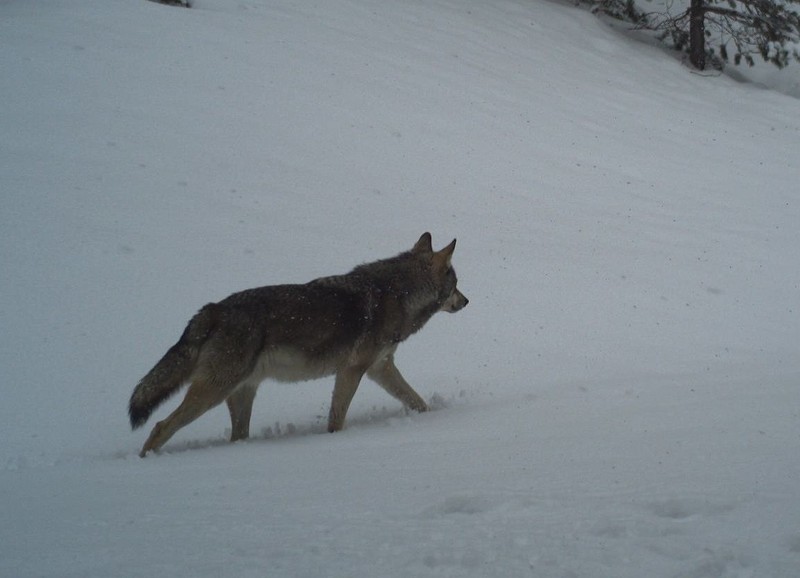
<point x="424" y="245"/>
<point x="441" y="259"/>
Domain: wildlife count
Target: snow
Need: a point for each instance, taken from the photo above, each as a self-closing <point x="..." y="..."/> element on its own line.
<point x="620" y="398"/>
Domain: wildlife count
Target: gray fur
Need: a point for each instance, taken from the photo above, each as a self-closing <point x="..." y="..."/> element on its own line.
<point x="346" y="325"/>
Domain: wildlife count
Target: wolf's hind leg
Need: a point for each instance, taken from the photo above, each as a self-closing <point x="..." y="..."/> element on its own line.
<point x="201" y="396"/>
<point x="240" y="406"/>
<point x="385" y="373"/>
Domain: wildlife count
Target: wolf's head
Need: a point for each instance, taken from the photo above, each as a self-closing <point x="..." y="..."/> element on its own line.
<point x="444" y="275"/>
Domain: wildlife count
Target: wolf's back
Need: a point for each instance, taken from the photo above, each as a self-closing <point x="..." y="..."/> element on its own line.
<point x="173" y="370"/>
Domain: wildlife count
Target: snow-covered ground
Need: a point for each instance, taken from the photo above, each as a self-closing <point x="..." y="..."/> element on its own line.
<point x="620" y="399"/>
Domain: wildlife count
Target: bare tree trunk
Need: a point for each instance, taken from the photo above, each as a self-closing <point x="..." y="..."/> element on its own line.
<point x="697" y="34"/>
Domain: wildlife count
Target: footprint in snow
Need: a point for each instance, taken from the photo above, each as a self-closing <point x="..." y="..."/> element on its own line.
<point x="683" y="508"/>
<point x="459" y="505"/>
<point x="794" y="544"/>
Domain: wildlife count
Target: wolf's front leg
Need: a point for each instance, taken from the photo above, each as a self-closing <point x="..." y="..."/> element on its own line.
<point x="344" y="389"/>
<point x="386" y="374"/>
<point x="240" y="406"/>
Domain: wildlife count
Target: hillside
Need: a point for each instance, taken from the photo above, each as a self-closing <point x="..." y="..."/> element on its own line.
<point x="620" y="398"/>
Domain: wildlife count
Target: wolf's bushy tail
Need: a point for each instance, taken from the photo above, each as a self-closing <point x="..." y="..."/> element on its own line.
<point x="173" y="370"/>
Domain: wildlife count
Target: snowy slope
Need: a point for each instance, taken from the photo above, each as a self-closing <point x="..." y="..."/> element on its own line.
<point x="619" y="399"/>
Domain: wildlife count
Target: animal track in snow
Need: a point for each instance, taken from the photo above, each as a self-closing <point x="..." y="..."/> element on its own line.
<point x="459" y="504"/>
<point x="794" y="544"/>
<point x="681" y="509"/>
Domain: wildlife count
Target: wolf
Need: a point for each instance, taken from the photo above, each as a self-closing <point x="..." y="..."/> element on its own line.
<point x="346" y="325"/>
